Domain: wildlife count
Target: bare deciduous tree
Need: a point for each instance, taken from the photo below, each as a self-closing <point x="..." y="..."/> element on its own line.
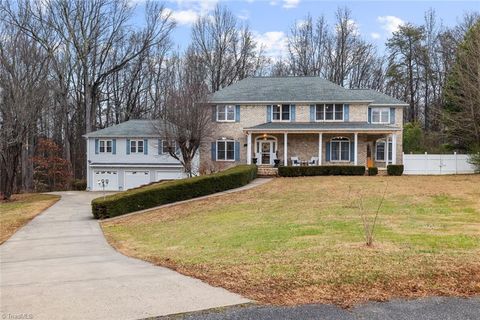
<point x="23" y="96"/>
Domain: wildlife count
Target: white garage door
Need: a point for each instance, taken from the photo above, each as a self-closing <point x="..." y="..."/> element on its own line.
<point x="169" y="174"/>
<point x="135" y="179"/>
<point x="109" y="178"/>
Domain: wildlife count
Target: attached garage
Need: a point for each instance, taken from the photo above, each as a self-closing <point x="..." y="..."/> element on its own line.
<point x="134" y="179"/>
<point x="109" y="178"/>
<point x="169" y="174"/>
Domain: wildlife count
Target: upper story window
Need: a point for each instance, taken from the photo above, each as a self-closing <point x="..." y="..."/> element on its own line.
<point x="226" y="113"/>
<point x="329" y="112"/>
<point x="168" y="145"/>
<point x="226" y="150"/>
<point x="136" y="146"/>
<point x="281" y="112"/>
<point x="380" y="115"/>
<point x="340" y="149"/>
<point x="105" y="146"/>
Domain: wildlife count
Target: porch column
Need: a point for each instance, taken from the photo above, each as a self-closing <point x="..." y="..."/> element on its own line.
<point x="386" y="150"/>
<point x="285" y="147"/>
<point x="355" y="149"/>
<point x="249" y="148"/>
<point x="320" y="149"/>
<point x="394" y="148"/>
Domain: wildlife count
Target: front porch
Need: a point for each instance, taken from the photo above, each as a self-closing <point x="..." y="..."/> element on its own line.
<point x="268" y="149"/>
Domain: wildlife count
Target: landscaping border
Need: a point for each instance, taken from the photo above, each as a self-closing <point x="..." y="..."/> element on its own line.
<point x="168" y="192"/>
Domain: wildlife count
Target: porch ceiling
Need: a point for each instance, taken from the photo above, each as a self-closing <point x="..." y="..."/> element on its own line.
<point x="304" y="127"/>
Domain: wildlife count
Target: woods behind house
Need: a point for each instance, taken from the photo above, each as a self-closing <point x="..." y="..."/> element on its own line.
<point x="71" y="67"/>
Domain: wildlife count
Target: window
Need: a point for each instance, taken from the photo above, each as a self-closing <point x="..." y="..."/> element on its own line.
<point x="329" y="112"/>
<point x="105" y="146"/>
<point x="281" y="112"/>
<point x="226" y="113"/>
<point x="226" y="150"/>
<point x="167" y="146"/>
<point x="340" y="149"/>
<point x="380" y="115"/>
<point x="380" y="150"/>
<point x="136" y="146"/>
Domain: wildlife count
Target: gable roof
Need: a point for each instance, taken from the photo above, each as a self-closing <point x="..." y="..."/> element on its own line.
<point x="294" y="89"/>
<point x="130" y="128"/>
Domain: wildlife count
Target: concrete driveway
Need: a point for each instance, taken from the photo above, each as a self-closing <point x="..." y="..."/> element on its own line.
<point x="59" y="266"/>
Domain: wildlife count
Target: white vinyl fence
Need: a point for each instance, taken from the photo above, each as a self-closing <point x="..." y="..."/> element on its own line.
<point x="437" y="164"/>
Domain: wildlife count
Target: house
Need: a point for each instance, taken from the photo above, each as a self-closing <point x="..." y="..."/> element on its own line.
<point x="298" y="119"/>
<point x="129" y="155"/>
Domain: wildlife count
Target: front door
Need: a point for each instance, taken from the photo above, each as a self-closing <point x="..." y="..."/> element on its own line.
<point x="369" y="156"/>
<point x="266" y="152"/>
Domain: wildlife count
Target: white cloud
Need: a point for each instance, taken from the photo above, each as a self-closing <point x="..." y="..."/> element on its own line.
<point x="188" y="11"/>
<point x="390" y="23"/>
<point x="243" y="15"/>
<point x="183" y="17"/>
<point x="375" y="35"/>
<point x="273" y="42"/>
<point x="351" y="25"/>
<point x="289" y="4"/>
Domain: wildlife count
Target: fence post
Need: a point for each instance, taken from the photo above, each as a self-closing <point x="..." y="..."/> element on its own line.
<point x="456" y="166"/>
<point x="426" y="163"/>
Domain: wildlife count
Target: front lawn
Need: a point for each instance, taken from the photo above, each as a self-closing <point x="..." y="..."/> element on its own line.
<point x="300" y="240"/>
<point x="21" y="209"/>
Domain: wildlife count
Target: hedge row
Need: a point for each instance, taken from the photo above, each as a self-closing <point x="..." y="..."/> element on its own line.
<point x="167" y="192"/>
<point x="321" y="171"/>
<point x="395" y="169"/>
<point x="372" y="171"/>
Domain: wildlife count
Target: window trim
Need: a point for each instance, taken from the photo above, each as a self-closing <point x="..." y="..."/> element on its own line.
<point x="226" y="150"/>
<point x="324" y="105"/>
<point x="163" y="143"/>
<point x="281" y="112"/>
<point x="340" y="140"/>
<point x="225" y="107"/>
<point x="390" y="146"/>
<point x="380" y="109"/>
<point x="105" y="141"/>
<point x="136" y="146"/>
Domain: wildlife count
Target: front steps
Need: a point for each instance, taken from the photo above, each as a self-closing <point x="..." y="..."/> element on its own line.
<point x="267" y="171"/>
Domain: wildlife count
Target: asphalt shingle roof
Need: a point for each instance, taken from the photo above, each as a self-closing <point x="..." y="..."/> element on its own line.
<point x="295" y="89"/>
<point x="325" y="126"/>
<point x="377" y="97"/>
<point x="131" y="128"/>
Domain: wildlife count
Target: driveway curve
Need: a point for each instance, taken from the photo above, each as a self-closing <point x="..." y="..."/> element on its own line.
<point x="59" y="266"/>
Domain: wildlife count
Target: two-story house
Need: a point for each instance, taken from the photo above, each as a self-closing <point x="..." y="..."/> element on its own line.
<point x="129" y="155"/>
<point x="298" y="120"/>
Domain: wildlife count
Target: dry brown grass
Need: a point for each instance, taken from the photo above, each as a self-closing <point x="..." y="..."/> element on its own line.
<point x="300" y="240"/>
<point x="22" y="208"/>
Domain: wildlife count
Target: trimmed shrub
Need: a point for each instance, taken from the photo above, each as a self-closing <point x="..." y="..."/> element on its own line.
<point x="167" y="192"/>
<point x="79" y="184"/>
<point x="372" y="171"/>
<point x="395" y="169"/>
<point x="321" y="171"/>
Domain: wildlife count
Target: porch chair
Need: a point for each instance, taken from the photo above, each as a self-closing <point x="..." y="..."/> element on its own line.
<point x="313" y="161"/>
<point x="295" y="161"/>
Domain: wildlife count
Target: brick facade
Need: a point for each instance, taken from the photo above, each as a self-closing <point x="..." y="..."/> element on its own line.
<point x="303" y="145"/>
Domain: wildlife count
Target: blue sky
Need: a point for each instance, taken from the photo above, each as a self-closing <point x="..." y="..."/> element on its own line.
<point x="271" y="20"/>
